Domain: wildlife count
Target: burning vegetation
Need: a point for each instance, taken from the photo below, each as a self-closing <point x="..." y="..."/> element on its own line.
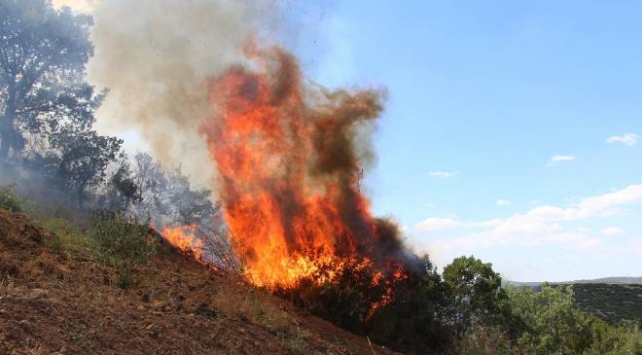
<point x="288" y="160"/>
<point x="288" y="174"/>
<point x="253" y="170"/>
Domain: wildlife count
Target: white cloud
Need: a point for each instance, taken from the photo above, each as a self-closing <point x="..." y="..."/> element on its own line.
<point x="543" y="229"/>
<point x="560" y="159"/>
<point x="612" y="231"/>
<point x="443" y="174"/>
<point x="502" y="202"/>
<point x="629" y="139"/>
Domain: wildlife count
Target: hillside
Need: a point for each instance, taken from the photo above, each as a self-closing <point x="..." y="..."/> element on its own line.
<point x="612" y="299"/>
<point x="625" y="280"/>
<point x="55" y="299"/>
<point x="611" y="302"/>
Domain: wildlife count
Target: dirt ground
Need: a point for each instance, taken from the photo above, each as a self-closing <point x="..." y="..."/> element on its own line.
<point x="55" y="300"/>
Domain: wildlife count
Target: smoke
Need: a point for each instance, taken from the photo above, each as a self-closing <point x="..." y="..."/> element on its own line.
<point x="153" y="56"/>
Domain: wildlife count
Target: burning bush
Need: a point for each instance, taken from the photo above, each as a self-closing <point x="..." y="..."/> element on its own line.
<point x="289" y="157"/>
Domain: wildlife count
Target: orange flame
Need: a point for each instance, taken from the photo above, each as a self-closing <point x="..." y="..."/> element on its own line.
<point x="184" y="239"/>
<point x="288" y="169"/>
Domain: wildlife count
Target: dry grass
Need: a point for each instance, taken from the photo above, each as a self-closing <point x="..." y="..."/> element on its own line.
<point x="252" y="305"/>
<point x="484" y="340"/>
<point x="260" y="308"/>
<point x="8" y="266"/>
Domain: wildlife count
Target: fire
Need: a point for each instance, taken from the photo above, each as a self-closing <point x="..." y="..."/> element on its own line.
<point x="184" y="239"/>
<point x="288" y="170"/>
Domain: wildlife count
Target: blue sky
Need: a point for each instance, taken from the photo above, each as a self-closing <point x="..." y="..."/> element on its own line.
<point x="512" y="128"/>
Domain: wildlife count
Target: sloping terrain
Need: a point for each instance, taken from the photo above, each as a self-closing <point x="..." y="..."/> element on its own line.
<point x="57" y="300"/>
<point x="611" y="302"/>
<point x="611" y="298"/>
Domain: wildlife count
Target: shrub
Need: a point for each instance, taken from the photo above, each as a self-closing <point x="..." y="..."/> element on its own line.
<point x="484" y="340"/>
<point x="9" y="201"/>
<point x="120" y="241"/>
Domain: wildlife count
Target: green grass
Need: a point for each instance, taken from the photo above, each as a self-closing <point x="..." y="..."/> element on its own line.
<point x="69" y="236"/>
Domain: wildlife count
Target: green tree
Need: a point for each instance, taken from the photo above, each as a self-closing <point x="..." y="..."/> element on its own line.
<point x="42" y="56"/>
<point x="475" y="293"/>
<point x="552" y="323"/>
<point x="412" y="321"/>
<point x="121" y="190"/>
<point x="621" y="340"/>
<point x="79" y="158"/>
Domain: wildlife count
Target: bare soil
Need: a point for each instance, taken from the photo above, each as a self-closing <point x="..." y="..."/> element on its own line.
<point x="58" y="300"/>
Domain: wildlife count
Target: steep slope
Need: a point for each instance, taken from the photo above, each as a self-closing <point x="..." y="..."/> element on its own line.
<point x="57" y="299"/>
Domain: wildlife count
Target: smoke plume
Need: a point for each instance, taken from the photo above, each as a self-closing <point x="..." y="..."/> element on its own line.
<point x="153" y="56"/>
<point x="207" y="91"/>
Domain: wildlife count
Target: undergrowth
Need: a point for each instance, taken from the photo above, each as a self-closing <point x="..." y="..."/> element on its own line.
<point x="121" y="242"/>
<point x="9" y="200"/>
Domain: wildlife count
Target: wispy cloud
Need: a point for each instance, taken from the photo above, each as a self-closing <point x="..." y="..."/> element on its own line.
<point x="560" y="159"/>
<point x="503" y="202"/>
<point x="629" y="139"/>
<point x="546" y="227"/>
<point x="612" y="231"/>
<point x="438" y="224"/>
<point x="443" y="174"/>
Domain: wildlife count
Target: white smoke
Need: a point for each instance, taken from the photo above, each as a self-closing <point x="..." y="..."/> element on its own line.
<point x="154" y="55"/>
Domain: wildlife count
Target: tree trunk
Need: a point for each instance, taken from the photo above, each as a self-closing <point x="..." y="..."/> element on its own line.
<point x="6" y="124"/>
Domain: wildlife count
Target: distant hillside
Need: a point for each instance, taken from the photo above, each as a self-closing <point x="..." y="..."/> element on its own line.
<point x="613" y="299"/>
<point x="611" y="302"/>
<point x="611" y="280"/>
<point x="621" y="280"/>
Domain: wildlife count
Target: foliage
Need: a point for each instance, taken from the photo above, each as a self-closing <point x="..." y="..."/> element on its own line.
<point x="554" y="325"/>
<point x="401" y="312"/>
<point x="69" y="235"/>
<point x="485" y="340"/>
<point x="413" y="320"/>
<point x="609" y="340"/>
<point x="42" y="57"/>
<point x="610" y="302"/>
<point x="120" y="241"/>
<point x="475" y="294"/>
<point x="79" y="158"/>
<point x="9" y="201"/>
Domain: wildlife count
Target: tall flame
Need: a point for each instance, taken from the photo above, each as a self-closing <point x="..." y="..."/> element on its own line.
<point x="288" y="170"/>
